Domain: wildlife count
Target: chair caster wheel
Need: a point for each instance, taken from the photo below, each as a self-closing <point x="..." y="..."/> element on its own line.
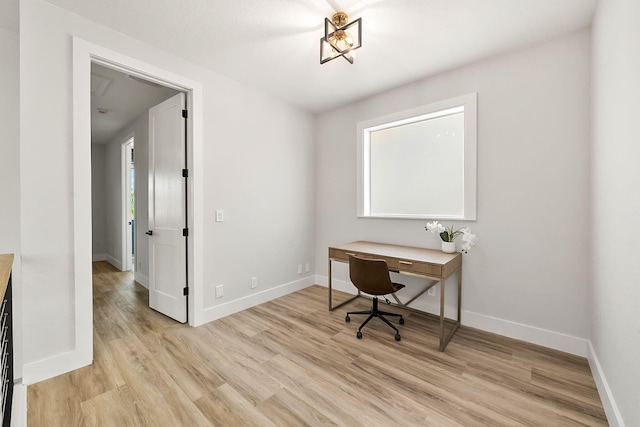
<point x="359" y="335"/>
<point x="401" y="321"/>
<point x="397" y="337"/>
<point x="347" y="318"/>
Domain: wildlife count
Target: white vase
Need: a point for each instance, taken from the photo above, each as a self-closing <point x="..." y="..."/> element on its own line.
<point x="448" y="247"/>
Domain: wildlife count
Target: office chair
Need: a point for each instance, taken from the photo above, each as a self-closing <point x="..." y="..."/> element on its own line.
<point x="371" y="276"/>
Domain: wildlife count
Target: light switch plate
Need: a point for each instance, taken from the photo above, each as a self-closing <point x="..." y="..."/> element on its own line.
<point x="219" y="215"/>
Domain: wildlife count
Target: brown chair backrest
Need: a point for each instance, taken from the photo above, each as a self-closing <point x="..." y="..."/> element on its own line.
<point x="371" y="276"/>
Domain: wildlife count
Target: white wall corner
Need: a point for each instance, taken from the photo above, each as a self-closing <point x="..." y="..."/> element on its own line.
<point x="608" y="403"/>
<point x="117" y="263"/>
<point x="99" y="257"/>
<point x="219" y="311"/>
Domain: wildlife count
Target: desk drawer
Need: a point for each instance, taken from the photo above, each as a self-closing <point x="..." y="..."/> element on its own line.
<point x="342" y="255"/>
<point x="414" y="267"/>
<point x="398" y="264"/>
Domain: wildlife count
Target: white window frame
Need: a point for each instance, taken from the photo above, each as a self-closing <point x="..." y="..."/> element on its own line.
<point x="466" y="103"/>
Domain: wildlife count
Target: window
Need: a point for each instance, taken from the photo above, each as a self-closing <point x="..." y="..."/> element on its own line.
<point x="420" y="163"/>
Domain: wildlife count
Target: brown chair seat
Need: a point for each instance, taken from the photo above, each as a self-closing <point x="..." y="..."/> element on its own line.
<point x="371" y="276"/>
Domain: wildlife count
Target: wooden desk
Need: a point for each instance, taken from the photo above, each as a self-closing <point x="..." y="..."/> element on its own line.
<point x="428" y="263"/>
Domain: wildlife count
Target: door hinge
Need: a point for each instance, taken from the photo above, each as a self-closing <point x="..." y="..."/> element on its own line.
<point x="185" y="291"/>
<point x="185" y="232"/>
<point x="185" y="173"/>
<point x="185" y="114"/>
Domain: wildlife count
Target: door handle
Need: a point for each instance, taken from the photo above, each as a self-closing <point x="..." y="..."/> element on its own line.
<point x="150" y="232"/>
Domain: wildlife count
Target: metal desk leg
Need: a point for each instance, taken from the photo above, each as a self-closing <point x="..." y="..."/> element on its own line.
<point x="442" y="343"/>
<point x="330" y="291"/>
<point x="459" y="295"/>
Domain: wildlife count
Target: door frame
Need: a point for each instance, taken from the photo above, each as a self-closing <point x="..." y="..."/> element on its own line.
<point x="128" y="241"/>
<point x="84" y="53"/>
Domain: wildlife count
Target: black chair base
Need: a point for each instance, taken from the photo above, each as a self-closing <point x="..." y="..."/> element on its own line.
<point x="374" y="312"/>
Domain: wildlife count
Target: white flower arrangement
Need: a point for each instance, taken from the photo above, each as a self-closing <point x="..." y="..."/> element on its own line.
<point x="448" y="234"/>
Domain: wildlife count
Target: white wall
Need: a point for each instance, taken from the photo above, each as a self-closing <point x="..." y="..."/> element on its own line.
<point x="260" y="172"/>
<point x="258" y="167"/>
<point x="529" y="275"/>
<point x="10" y="176"/>
<point x="98" y="202"/>
<point x="615" y="323"/>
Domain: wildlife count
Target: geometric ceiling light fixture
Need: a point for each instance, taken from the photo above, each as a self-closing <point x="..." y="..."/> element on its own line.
<point x="340" y="38"/>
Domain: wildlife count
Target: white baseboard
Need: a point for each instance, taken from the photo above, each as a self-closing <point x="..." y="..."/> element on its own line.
<point x="115" y="262"/>
<point x="19" y="406"/>
<point x="99" y="257"/>
<point x="52" y="366"/>
<point x="212" y="313"/>
<point x="608" y="403"/>
<point x="142" y="279"/>
<point x="532" y="334"/>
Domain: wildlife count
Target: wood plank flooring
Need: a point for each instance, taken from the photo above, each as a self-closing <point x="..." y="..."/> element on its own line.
<point x="290" y="362"/>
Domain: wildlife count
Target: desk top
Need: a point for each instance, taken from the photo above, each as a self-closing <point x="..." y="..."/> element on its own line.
<point x="6" y="261"/>
<point x="443" y="264"/>
<point x="431" y="256"/>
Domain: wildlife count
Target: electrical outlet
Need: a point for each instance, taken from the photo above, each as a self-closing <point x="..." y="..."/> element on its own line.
<point x="219" y="291"/>
<point x="307" y="267"/>
<point x="254" y="282"/>
<point x="432" y="291"/>
<point x="299" y="268"/>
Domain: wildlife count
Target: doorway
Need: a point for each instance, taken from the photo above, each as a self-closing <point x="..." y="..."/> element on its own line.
<point x="141" y="127"/>
<point x="84" y="54"/>
<point x="129" y="205"/>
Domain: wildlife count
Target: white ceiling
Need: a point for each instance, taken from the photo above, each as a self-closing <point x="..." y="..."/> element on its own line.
<point x="121" y="101"/>
<point x="273" y="45"/>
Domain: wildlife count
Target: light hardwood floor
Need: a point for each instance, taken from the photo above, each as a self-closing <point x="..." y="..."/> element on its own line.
<point x="290" y="362"/>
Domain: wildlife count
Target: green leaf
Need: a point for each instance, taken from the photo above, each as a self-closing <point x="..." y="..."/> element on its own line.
<point x="444" y="236"/>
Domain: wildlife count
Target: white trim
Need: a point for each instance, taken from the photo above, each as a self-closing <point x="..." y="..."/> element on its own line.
<point x="216" y="312"/>
<point x="51" y="366"/>
<point x="19" y="406"/>
<point x="608" y="402"/>
<point x="465" y="103"/>
<point x="532" y="334"/>
<point x="84" y="53"/>
<point x="125" y="162"/>
<point x="82" y="355"/>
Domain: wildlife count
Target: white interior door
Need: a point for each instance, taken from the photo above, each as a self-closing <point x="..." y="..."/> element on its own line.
<point x="167" y="205"/>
